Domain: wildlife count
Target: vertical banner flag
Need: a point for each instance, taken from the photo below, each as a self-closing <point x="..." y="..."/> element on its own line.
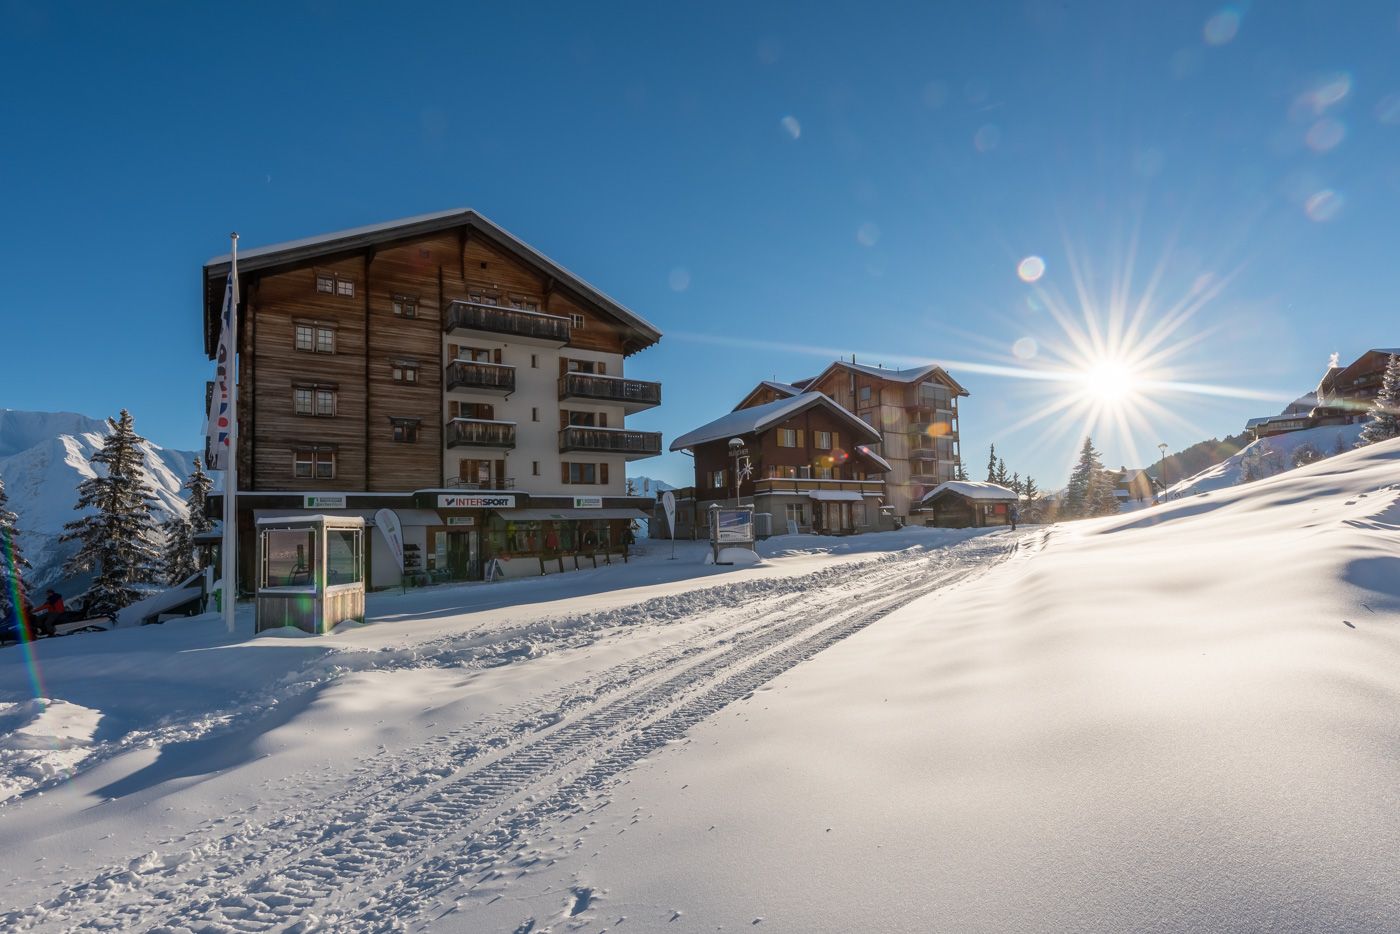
<point x="220" y="420"/>
<point x="668" y="502"/>
<point x="388" y="522"/>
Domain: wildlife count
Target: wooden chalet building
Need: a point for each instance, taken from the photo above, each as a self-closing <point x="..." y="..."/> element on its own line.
<point x="809" y="463"/>
<point x="444" y="368"/>
<point x="1343" y="397"/>
<point x="915" y="411"/>
<point x="966" y="504"/>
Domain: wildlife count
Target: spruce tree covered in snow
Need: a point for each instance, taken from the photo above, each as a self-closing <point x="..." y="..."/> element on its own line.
<point x="178" y="559"/>
<point x="12" y="563"/>
<point x="1102" y="500"/>
<point x="119" y="539"/>
<point x="1306" y="453"/>
<point x="200" y="486"/>
<point x="1383" y="419"/>
<point x="1081" y="496"/>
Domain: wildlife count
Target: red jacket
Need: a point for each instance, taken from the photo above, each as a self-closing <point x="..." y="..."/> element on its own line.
<point x="53" y="607"/>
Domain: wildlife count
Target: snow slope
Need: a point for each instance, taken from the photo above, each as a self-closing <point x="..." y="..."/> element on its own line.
<point x="1177" y="719"/>
<point x="43" y="458"/>
<point x="1231" y="471"/>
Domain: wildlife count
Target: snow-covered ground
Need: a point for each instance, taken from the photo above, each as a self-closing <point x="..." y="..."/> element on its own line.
<point x="1178" y="719"/>
<point x="1269" y="456"/>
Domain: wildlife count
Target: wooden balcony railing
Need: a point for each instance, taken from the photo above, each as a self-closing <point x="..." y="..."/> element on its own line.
<point x="610" y="441"/>
<point x="479" y="433"/>
<point x="499" y="483"/>
<point x="535" y="325"/>
<point x="487" y="377"/>
<point x="631" y="392"/>
<point x="812" y="484"/>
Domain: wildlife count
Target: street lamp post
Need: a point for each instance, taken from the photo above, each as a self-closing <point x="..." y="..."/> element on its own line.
<point x="1162" y="470"/>
<point x="736" y="449"/>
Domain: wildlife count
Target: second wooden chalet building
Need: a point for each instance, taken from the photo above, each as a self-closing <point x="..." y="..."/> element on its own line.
<point x="446" y="369"/>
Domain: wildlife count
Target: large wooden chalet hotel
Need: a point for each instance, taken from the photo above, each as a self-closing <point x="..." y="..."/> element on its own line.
<point x="441" y="367"/>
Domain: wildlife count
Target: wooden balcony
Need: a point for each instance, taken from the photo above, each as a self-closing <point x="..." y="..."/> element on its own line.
<point x="498" y="483"/>
<point x="805" y="485"/>
<point x="495" y="379"/>
<point x="529" y="326"/>
<point x="632" y="394"/>
<point x="631" y="444"/>
<point x="479" y="433"/>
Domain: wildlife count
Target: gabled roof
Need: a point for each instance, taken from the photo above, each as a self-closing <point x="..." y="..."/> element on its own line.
<point x="782" y="389"/>
<point x="979" y="490"/>
<point x="914" y="374"/>
<point x="298" y="252"/>
<point x="762" y="417"/>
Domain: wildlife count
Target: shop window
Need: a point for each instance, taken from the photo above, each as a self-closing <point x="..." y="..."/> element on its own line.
<point x="288" y="556"/>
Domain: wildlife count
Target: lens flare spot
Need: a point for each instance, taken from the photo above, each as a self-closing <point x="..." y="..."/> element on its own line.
<point x="1031" y="269"/>
<point x="1222" y="27"/>
<point x="1323" y="206"/>
<point x="791" y="126"/>
<point x="987" y="137"/>
<point x="867" y="234"/>
<point x="938" y="429"/>
<point x="679" y="279"/>
<point x="1326" y="135"/>
<point x="1388" y="109"/>
<point x="1025" y="349"/>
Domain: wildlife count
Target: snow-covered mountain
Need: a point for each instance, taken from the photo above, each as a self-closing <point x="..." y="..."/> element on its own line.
<point x="1267" y="457"/>
<point x="43" y="458"/>
<point x="648" y="486"/>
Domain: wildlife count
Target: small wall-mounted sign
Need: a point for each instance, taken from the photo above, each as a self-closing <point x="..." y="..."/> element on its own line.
<point x="324" y="501"/>
<point x="461" y="520"/>
<point x="588" y="502"/>
<point x="474" y="501"/>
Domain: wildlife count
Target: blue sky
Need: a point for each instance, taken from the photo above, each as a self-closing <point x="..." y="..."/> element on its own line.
<point x="769" y="184"/>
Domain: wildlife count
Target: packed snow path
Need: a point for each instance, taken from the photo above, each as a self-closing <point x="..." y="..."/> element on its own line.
<point x="392" y="842"/>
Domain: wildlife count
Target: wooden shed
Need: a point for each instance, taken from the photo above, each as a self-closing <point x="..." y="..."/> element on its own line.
<point x="962" y="504"/>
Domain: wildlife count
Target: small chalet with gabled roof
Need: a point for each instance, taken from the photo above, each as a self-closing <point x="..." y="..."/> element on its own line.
<point x="963" y="504"/>
<point x="806" y="462"/>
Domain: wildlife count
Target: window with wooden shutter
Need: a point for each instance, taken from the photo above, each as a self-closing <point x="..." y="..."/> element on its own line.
<point x="602" y="419"/>
<point x="496" y="355"/>
<point x="800" y="442"/>
<point x="602" y="473"/>
<point x="563" y="472"/>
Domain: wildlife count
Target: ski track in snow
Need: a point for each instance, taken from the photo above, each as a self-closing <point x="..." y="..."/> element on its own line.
<point x="450" y="813"/>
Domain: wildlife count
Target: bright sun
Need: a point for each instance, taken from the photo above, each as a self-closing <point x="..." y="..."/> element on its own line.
<point x="1110" y="381"/>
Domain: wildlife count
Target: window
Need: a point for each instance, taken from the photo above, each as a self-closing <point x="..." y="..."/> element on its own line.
<point x="405" y="430"/>
<point x="405" y="372"/>
<point x="310" y="400"/>
<point x="863" y="394"/>
<point x="717" y="480"/>
<point x="345" y="288"/>
<point x="797" y="514"/>
<point x="789" y="437"/>
<point x="479" y="410"/>
<point x="783" y="472"/>
<point x="824" y="473"/>
<point x="585" y="366"/>
<point x="823" y="440"/>
<point x="580" y="473"/>
<point x="483" y="298"/>
<point x="312" y="463"/>
<point x="310" y="337"/>
<point x="577" y="322"/>
<point x="406" y="306"/>
<point x="534" y="362"/>
<point x="524" y="304"/>
<point x="534" y="468"/>
<point x="325" y="284"/>
<point x="804" y="472"/>
<point x="534" y="414"/>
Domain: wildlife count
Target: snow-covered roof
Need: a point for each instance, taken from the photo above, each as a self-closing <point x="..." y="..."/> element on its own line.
<point x="306" y="248"/>
<point x="836" y="496"/>
<point x="908" y="375"/>
<point x="782" y="389"/>
<point x="864" y="449"/>
<point x="762" y="417"/>
<point x="972" y="489"/>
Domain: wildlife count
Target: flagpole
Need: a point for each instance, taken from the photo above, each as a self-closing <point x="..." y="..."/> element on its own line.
<point x="230" y="546"/>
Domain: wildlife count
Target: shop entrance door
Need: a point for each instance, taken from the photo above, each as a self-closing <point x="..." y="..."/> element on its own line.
<point x="463" y="560"/>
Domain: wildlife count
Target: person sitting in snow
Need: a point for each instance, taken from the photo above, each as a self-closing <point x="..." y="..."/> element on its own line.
<point x="45" y="616"/>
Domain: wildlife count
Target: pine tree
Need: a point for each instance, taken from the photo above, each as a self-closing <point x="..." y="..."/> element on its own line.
<point x="1383" y="419"/>
<point x="1016" y="483"/>
<point x="200" y="486"/>
<point x="960" y="472"/>
<point x="1081" y="496"/>
<point x="992" y="465"/>
<point x="1002" y="478"/>
<point x="1306" y="453"/>
<point x="178" y="560"/>
<point x="1102" y="499"/>
<point x="12" y="562"/>
<point x="119" y="538"/>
